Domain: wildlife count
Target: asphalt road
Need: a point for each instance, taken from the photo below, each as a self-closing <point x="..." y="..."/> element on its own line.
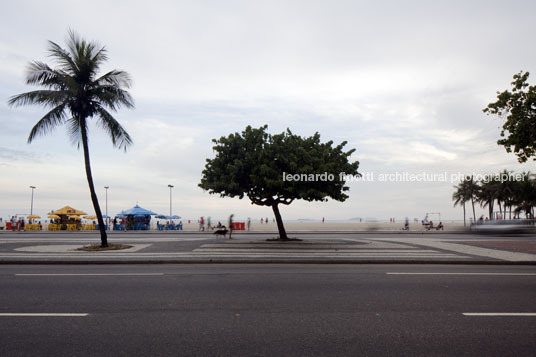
<point x="267" y="310"/>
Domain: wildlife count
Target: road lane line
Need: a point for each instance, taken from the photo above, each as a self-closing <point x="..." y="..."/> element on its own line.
<point x="490" y="274"/>
<point x="499" y="313"/>
<point x="94" y="274"/>
<point x="16" y="314"/>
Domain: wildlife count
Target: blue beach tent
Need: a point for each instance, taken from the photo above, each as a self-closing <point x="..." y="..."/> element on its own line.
<point x="137" y="211"/>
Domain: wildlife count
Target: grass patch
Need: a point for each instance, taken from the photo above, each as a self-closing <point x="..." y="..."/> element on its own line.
<point x="98" y="248"/>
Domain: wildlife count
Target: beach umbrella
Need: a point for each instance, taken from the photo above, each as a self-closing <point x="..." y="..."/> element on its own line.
<point x="90" y="217"/>
<point x="161" y="216"/>
<point x="53" y="216"/>
<point x="137" y="210"/>
<point x="175" y="217"/>
<point x="33" y="216"/>
<point x="75" y="217"/>
<point x="68" y="210"/>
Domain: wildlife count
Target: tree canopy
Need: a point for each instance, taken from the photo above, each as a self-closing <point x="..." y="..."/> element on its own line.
<point x="518" y="106"/>
<point x="265" y="168"/>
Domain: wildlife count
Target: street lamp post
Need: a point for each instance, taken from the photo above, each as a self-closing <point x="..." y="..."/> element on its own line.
<point x="31" y="207"/>
<point x="107" y="219"/>
<point x="170" y="210"/>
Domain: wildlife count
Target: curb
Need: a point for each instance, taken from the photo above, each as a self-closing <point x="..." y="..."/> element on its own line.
<point x="242" y="232"/>
<point x="263" y="261"/>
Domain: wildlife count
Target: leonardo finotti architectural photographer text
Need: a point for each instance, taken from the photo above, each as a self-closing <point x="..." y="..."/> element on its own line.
<point x="401" y="177"/>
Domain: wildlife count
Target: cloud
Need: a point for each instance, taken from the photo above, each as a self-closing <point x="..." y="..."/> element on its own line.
<point x="11" y="155"/>
<point x="404" y="84"/>
<point x="400" y="152"/>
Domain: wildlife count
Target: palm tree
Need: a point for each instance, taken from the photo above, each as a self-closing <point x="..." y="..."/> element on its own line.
<point x="471" y="189"/>
<point x="487" y="194"/>
<point x="75" y="95"/>
<point x="505" y="192"/>
<point x="525" y="195"/>
<point x="460" y="197"/>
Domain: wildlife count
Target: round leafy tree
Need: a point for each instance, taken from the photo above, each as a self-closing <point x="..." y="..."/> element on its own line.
<point x="278" y="169"/>
<point x="519" y="108"/>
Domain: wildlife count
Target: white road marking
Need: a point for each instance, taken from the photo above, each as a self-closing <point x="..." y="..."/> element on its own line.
<point x="94" y="274"/>
<point x="491" y="274"/>
<point x="499" y="313"/>
<point x="42" y="315"/>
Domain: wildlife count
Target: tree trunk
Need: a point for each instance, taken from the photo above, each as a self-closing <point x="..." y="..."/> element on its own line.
<point x="464" y="215"/>
<point x="474" y="214"/>
<point x="490" y="210"/>
<point x="104" y="237"/>
<point x="280" y="227"/>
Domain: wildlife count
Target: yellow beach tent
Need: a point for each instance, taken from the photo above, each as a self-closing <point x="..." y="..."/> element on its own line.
<point x="68" y="210"/>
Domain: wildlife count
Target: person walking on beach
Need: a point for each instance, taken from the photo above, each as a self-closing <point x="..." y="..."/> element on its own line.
<point x="249" y="223"/>
<point x="202" y="224"/>
<point x="209" y="223"/>
<point x="231" y="225"/>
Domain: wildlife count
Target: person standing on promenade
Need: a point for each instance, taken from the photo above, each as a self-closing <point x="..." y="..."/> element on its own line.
<point x="209" y="223"/>
<point x="249" y="223"/>
<point x="231" y="225"/>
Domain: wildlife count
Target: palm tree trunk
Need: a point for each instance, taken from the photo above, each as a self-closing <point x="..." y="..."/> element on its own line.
<point x="464" y="215"/>
<point x="104" y="237"/>
<point x="279" y="220"/>
<point x="474" y="214"/>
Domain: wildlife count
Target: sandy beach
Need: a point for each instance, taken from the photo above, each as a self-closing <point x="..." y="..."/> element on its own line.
<point x="293" y="225"/>
<point x="343" y="226"/>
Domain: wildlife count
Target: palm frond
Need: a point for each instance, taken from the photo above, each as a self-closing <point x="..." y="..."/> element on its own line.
<point x="116" y="78"/>
<point x="52" y="119"/>
<point x="113" y="97"/>
<point x="39" y="73"/>
<point x="74" y="129"/>
<point x="120" y="138"/>
<point x="87" y="56"/>
<point x="43" y="97"/>
<point x="63" y="58"/>
<point x="99" y="56"/>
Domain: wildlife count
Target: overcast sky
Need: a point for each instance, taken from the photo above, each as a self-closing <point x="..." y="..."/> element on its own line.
<point x="404" y="82"/>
